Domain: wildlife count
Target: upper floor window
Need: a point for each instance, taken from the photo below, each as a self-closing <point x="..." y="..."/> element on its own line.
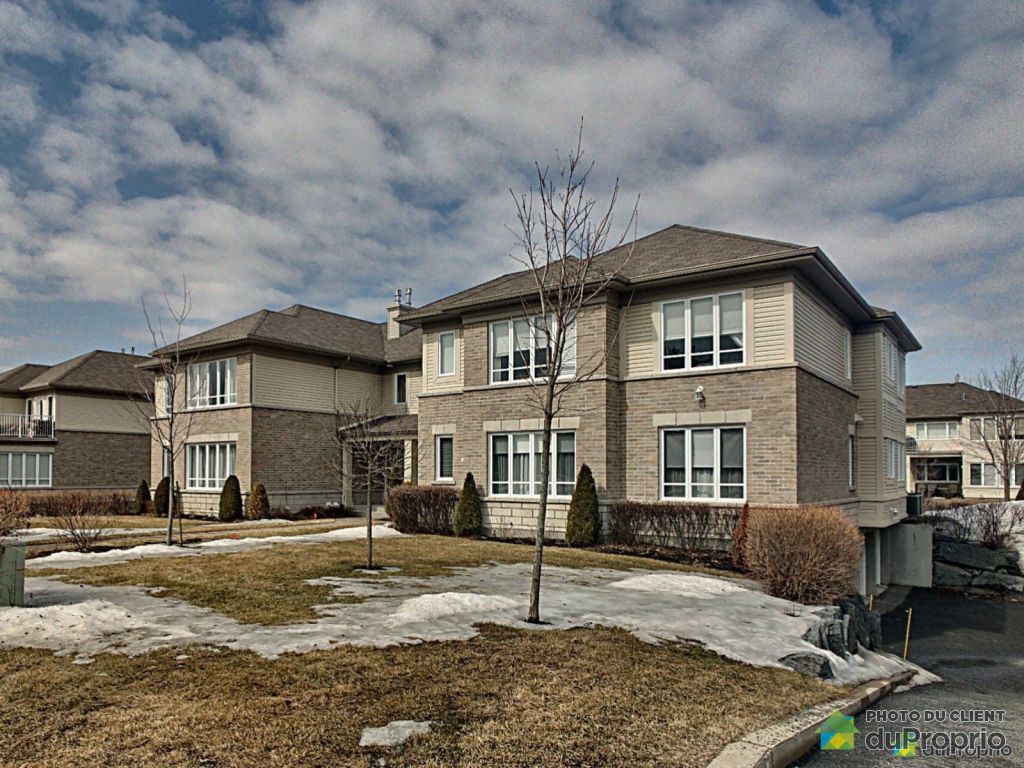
<point x="893" y="364"/>
<point x="997" y="427"/>
<point x="401" y="389"/>
<point x="895" y="460"/>
<point x="520" y="350"/>
<point x="212" y="383"/>
<point x="446" y="353"/>
<point x="938" y="430"/>
<point x="848" y="353"/>
<point x="515" y="465"/>
<point x="703" y="332"/>
<point x="703" y="463"/>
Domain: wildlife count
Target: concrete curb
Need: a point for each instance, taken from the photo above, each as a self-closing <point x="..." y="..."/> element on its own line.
<point x="782" y="744"/>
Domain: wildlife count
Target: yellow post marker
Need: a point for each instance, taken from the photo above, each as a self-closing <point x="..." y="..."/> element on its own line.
<point x="906" y="637"/>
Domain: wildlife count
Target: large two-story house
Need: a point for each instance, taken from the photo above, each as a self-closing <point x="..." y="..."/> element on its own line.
<point x="260" y="398"/>
<point x="732" y="369"/>
<point x="82" y="424"/>
<point x="947" y="455"/>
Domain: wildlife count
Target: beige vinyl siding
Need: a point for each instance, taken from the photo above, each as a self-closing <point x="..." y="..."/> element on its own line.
<point x="282" y="383"/>
<point x="772" y="323"/>
<point x="361" y="389"/>
<point x="870" y="464"/>
<point x="85" y="413"/>
<point x="638" y="340"/>
<point x="819" y="337"/>
<point x="431" y="382"/>
<point x="15" y="404"/>
<point x="413" y="387"/>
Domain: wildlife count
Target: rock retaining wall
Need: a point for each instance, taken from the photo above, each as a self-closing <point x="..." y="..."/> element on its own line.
<point x="967" y="565"/>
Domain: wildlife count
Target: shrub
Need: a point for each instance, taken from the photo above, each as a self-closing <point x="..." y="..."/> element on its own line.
<point x="230" y="501"/>
<point x="806" y="554"/>
<point x="162" y="497"/>
<point x="97" y="504"/>
<point x="13" y="511"/>
<point x="992" y="525"/>
<point x="583" y="525"/>
<point x="468" y="518"/>
<point x="687" y="526"/>
<point x="421" y="508"/>
<point x="1020" y="493"/>
<point x="739" y="538"/>
<point x="81" y="519"/>
<point x="259" y="503"/>
<point x="143" y="501"/>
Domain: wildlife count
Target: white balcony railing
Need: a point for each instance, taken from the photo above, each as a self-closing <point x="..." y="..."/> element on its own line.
<point x="16" y="425"/>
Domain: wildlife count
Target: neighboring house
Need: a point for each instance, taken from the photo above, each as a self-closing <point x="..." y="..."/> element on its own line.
<point x="946" y="453"/>
<point x="737" y="369"/>
<point x="262" y="397"/>
<point x="80" y="424"/>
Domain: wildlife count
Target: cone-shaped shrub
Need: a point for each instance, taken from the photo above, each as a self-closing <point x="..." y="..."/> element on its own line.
<point x="161" y="497"/>
<point x="468" y="520"/>
<point x="142" y="499"/>
<point x="259" y="503"/>
<point x="231" y="500"/>
<point x="1020" y="493"/>
<point x="584" y="523"/>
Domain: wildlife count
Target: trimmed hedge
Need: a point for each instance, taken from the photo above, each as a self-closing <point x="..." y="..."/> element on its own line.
<point x="143" y="501"/>
<point x="739" y="538"/>
<point x="688" y="526"/>
<point x="583" y="525"/>
<point x="95" y="504"/>
<point x="259" y="503"/>
<point x="230" y="501"/>
<point x="162" y="497"/>
<point x="468" y="517"/>
<point x="421" y="508"/>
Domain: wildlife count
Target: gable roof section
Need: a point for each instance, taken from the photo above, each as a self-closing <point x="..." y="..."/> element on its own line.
<point x="96" y="371"/>
<point x="12" y="380"/>
<point x="943" y="401"/>
<point x="312" y="330"/>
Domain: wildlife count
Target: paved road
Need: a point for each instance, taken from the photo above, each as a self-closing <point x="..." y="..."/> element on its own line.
<point x="977" y="647"/>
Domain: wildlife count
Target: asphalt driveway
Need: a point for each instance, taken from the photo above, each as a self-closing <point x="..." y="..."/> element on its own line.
<point x="977" y="646"/>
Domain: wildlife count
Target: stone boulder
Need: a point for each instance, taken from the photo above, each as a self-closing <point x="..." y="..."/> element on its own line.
<point x="946" y="575"/>
<point x="975" y="556"/>
<point x="809" y="663"/>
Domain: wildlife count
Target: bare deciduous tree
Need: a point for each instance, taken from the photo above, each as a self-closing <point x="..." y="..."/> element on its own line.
<point x="367" y="449"/>
<point x="164" y="402"/>
<point x="563" y="241"/>
<point x="1002" y="433"/>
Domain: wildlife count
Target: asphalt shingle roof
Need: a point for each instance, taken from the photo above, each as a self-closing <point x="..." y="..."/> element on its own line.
<point x="13" y="379"/>
<point x="96" y="371"/>
<point x="942" y="401"/>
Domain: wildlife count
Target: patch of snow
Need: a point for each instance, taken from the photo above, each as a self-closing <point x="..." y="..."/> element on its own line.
<point x="72" y="560"/>
<point x="655" y="606"/>
<point x="394" y="734"/>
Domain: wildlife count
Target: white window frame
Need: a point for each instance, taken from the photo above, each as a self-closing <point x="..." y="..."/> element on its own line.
<point x="687" y="357"/>
<point x="848" y="353"/>
<point x="536" y="342"/>
<point x="7" y="461"/>
<point x="209" y="481"/>
<point x="850" y="455"/>
<point x="951" y="430"/>
<point x="688" y="450"/>
<point x="212" y="398"/>
<point x="438" y="477"/>
<point x="405" y="378"/>
<point x="440" y="357"/>
<point x="895" y="460"/>
<point x="535" y="438"/>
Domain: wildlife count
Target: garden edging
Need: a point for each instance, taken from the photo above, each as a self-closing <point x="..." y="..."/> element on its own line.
<point x="779" y="745"/>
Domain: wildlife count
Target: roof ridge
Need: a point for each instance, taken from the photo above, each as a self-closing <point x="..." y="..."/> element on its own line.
<point x="736" y="235"/>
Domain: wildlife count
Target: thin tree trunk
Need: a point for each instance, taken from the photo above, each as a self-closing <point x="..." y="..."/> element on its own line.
<point x="181" y="529"/>
<point x="170" y="505"/>
<point x="369" y="521"/>
<point x="542" y="510"/>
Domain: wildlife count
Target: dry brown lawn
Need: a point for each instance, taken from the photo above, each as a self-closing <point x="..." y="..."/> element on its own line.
<point x="268" y="586"/>
<point x="587" y="697"/>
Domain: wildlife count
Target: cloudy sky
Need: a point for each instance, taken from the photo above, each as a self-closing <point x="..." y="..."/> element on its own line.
<point x="327" y="152"/>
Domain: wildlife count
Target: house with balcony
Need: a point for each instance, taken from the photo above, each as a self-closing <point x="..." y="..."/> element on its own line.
<point x="261" y="398"/>
<point x="946" y="429"/>
<point x="731" y="369"/>
<point x="82" y="424"/>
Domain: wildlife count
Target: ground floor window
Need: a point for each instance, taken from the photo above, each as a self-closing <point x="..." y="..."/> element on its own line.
<point x="703" y="463"/>
<point x="26" y="470"/>
<point x="984" y="475"/>
<point x="444" y="468"/>
<point x="208" y="465"/>
<point x="936" y="472"/>
<point x="515" y="467"/>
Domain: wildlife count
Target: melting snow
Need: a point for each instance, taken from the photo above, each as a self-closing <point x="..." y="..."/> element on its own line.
<point x="394" y="734"/>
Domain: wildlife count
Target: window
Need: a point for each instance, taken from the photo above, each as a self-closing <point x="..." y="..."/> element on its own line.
<point x="938" y="430"/>
<point x="516" y="463"/>
<point x="520" y="350"/>
<point x="894" y="364"/>
<point x="935" y="472"/>
<point x="703" y="332"/>
<point x="703" y="463"/>
<point x="444" y="457"/>
<point x="25" y="470"/>
<point x="401" y="394"/>
<point x="1004" y="426"/>
<point x="985" y="475"/>
<point x="896" y="460"/>
<point x="446" y="353"/>
<point x="212" y="384"/>
<point x="850" y="452"/>
<point x="209" y="465"/>
<point x="848" y="354"/>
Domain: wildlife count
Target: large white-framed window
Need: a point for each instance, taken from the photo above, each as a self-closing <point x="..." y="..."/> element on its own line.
<point x="703" y="332"/>
<point x="938" y="430"/>
<point x="208" y="465"/>
<point x="895" y="460"/>
<point x="444" y="458"/>
<point x="519" y="349"/>
<point x="212" y="383"/>
<point x="401" y="389"/>
<point x="705" y="463"/>
<point x="26" y="470"/>
<point x="986" y="475"/>
<point x="515" y="464"/>
<point x="991" y="426"/>
<point x="446" y="353"/>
